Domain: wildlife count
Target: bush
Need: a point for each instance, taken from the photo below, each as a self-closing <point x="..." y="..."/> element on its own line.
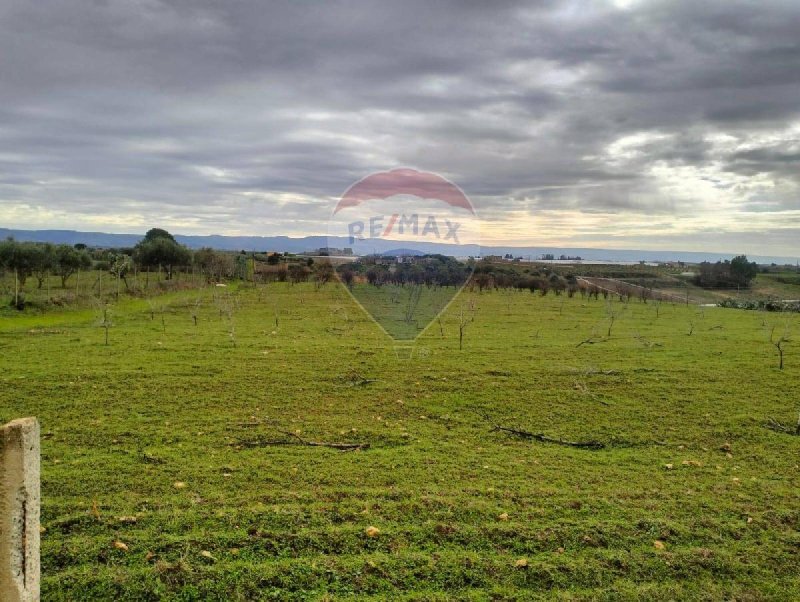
<point x="762" y="305"/>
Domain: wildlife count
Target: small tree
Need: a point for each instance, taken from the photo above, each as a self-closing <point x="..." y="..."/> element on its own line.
<point x="159" y="249"/>
<point x="298" y="273"/>
<point x="156" y="233"/>
<point x="612" y="314"/>
<point x="323" y="272"/>
<point x="69" y="260"/>
<point x="215" y="265"/>
<point x="20" y="257"/>
<point x="482" y="280"/>
<point x="779" y="343"/>
<point x="463" y="320"/>
<point x="44" y="262"/>
<point x="347" y="276"/>
<point x="742" y="271"/>
<point x="106" y="323"/>
<point x="120" y="265"/>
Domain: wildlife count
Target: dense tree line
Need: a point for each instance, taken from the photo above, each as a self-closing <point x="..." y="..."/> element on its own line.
<point x="439" y="270"/>
<point x="158" y="250"/>
<point x="489" y="275"/>
<point x="737" y="272"/>
<point x="428" y="270"/>
<point x="26" y="259"/>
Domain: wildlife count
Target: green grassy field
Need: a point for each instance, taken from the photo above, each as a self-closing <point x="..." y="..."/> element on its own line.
<point x="403" y="311"/>
<point x="162" y="478"/>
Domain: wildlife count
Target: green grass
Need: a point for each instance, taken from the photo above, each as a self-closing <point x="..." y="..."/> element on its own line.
<point x="403" y="311"/>
<point x="171" y="402"/>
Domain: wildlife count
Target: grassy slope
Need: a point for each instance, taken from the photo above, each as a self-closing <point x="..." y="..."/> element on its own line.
<point x="123" y="423"/>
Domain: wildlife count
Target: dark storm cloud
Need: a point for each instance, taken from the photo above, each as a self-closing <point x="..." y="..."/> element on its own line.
<point x="244" y="111"/>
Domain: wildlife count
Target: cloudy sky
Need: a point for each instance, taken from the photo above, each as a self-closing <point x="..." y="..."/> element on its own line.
<point x="620" y="124"/>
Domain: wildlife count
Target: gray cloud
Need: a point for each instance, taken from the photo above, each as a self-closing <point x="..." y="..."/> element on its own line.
<point x="251" y="117"/>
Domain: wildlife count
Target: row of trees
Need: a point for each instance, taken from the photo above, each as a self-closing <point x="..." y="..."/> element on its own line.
<point x="734" y="273"/>
<point x="488" y="275"/>
<point x="439" y="270"/>
<point x="27" y="259"/>
<point x="158" y="250"/>
<point x="428" y="270"/>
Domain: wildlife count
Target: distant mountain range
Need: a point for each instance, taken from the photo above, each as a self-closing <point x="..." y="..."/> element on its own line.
<point x="310" y="243"/>
<point x="402" y="253"/>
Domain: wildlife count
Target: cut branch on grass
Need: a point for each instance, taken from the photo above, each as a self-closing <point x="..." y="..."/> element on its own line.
<point x="583" y="388"/>
<point x="545" y="439"/>
<point x="295" y="439"/>
<point x="646" y="342"/>
<point x="590" y="341"/>
<point x="354" y="379"/>
<point x="593" y="338"/>
<point x="779" y="427"/>
<point x="530" y="436"/>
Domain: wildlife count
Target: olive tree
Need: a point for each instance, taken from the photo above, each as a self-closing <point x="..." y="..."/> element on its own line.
<point x="159" y="249"/>
<point x="69" y="260"/>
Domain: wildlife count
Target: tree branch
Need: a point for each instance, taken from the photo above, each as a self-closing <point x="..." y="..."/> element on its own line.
<point x="593" y="445"/>
<point x="294" y="439"/>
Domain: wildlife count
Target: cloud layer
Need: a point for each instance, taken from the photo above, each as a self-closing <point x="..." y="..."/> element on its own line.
<point x="639" y="124"/>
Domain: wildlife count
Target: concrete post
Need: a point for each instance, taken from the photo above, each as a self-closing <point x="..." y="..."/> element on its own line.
<point x="19" y="511"/>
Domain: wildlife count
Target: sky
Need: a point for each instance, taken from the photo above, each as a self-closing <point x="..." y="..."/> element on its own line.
<point x="611" y="124"/>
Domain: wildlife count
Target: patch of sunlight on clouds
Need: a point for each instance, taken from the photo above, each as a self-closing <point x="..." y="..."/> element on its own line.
<point x="562" y="228"/>
<point x="633" y="146"/>
<point x="557" y="227"/>
<point x="541" y="73"/>
<point x="711" y="186"/>
<point x="217" y="174"/>
<point x="153" y="146"/>
<point x="626" y="4"/>
<point x="30" y="216"/>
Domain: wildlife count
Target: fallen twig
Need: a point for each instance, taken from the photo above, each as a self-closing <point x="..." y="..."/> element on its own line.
<point x="580" y="386"/>
<point x="782" y="428"/>
<point x="646" y="342"/>
<point x="295" y="439"/>
<point x="356" y="380"/>
<point x="545" y="439"/>
<point x="594" y="445"/>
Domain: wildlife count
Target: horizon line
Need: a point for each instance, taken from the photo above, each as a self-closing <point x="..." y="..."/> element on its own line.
<point x="793" y="259"/>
